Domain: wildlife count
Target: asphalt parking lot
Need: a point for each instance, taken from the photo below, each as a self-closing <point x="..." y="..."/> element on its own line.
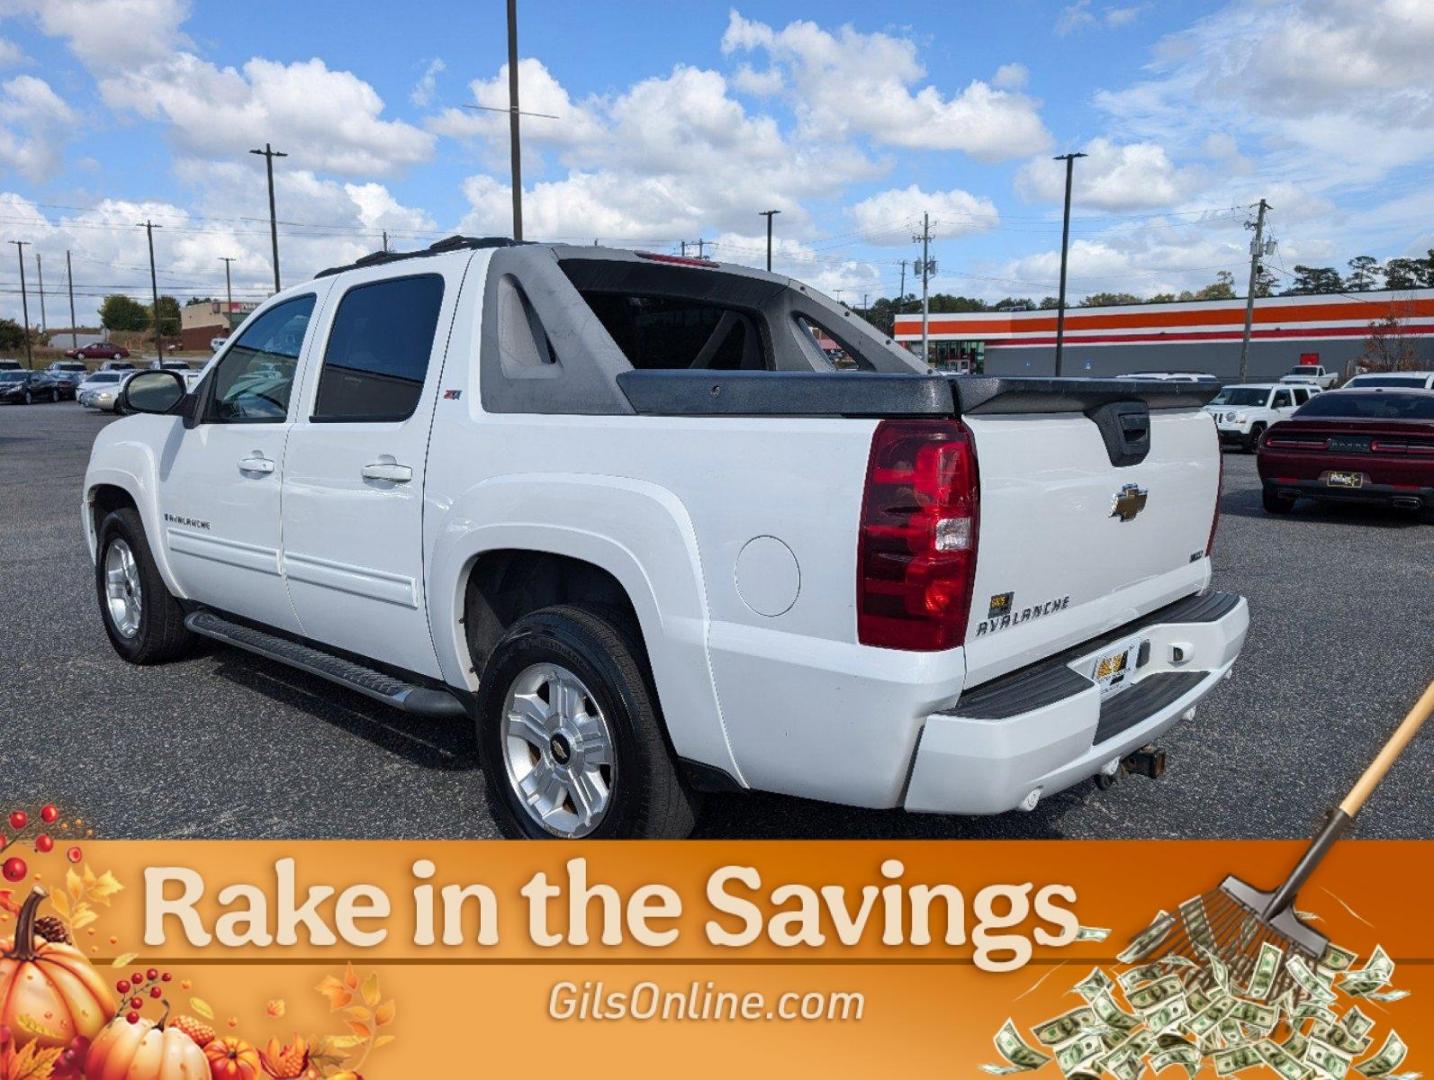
<point x="227" y="745"/>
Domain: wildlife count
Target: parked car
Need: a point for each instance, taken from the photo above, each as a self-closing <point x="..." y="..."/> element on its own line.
<point x="1243" y="412"/>
<point x="648" y="564"/>
<point x="118" y="365"/>
<point x="1392" y="380"/>
<point x="26" y="387"/>
<point x="68" y="374"/>
<point x="1171" y="376"/>
<point x="170" y="365"/>
<point x="217" y="343"/>
<point x="1369" y="446"/>
<point x="97" y="350"/>
<point x="101" y="390"/>
<point x="11" y="365"/>
<point x="1311" y="373"/>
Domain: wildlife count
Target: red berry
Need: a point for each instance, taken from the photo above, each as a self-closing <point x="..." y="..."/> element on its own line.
<point x="4" y="841"/>
<point x="152" y="974"/>
<point x="136" y="1003"/>
<point x="14" y="869"/>
<point x="137" y="978"/>
<point x="43" y="844"/>
<point x="49" y="814"/>
<point x="19" y="819"/>
<point x="165" y="977"/>
<point x="74" y="854"/>
<point x="132" y="1017"/>
<point x="122" y="986"/>
<point x="155" y="991"/>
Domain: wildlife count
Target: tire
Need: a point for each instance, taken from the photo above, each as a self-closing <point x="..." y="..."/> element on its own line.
<point x="1276" y="503"/>
<point x="29" y="398"/>
<point x="592" y="659"/>
<point x="54" y="397"/>
<point x="157" y="632"/>
<point x="1252" y="441"/>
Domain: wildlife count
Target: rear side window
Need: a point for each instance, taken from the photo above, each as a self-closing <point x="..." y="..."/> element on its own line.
<point x="1380" y="405"/>
<point x="378" y="350"/>
<point x="663" y="332"/>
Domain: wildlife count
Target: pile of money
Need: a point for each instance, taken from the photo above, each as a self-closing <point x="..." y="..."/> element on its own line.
<point x="1194" y="1011"/>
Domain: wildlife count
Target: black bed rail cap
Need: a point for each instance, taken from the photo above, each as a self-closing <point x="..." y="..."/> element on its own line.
<point x="979" y="395"/>
<point x="785" y="393"/>
<point x="438" y="247"/>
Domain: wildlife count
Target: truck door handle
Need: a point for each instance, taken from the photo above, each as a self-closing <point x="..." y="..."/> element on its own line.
<point x="256" y="465"/>
<point x="387" y="470"/>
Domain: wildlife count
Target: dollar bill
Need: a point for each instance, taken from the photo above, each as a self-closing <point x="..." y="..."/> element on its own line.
<point x="1259" y="1016"/>
<point x="1387" y="995"/>
<point x="1308" y="981"/>
<point x="1391" y="1055"/>
<point x="1197" y="999"/>
<point x="1151" y="996"/>
<point x="1075" y="1054"/>
<point x="1010" y="1045"/>
<point x="1296" y="1044"/>
<point x="1197" y="923"/>
<point x="1281" y="1060"/>
<point x="1375" y="974"/>
<point x="1168" y="1015"/>
<point x="1355" y="1022"/>
<point x="1112" y="1015"/>
<point x="1149" y="939"/>
<point x="1335" y="958"/>
<point x="1094" y="984"/>
<point x="1208" y="1019"/>
<point x="1236" y="1059"/>
<point x="1186" y="1056"/>
<point x="1092" y="933"/>
<point x="1267" y="966"/>
<point x="1064" y="1028"/>
<point x="1313" y="1010"/>
<point x="1329" y="1060"/>
<point x="1340" y="1037"/>
<point x="1144" y="973"/>
<point x="1217" y="969"/>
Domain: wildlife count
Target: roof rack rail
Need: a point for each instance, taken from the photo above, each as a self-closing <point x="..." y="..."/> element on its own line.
<point x="439" y="247"/>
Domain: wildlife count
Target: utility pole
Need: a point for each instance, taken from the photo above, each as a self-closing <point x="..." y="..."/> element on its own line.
<point x="684" y="248"/>
<point x="70" y="282"/>
<point x="928" y="267"/>
<point x="385" y="240"/>
<point x="1070" y="160"/>
<point x="1257" y="249"/>
<point x="149" y="227"/>
<point x="40" y="273"/>
<point x="699" y="243"/>
<point x="514" y="138"/>
<point x="269" y="154"/>
<point x="24" y="303"/>
<point x="768" y="215"/>
<point x="228" y="296"/>
<point x="900" y="296"/>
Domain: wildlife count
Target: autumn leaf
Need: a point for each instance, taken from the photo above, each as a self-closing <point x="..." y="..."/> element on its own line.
<point x="384" y="1014"/>
<point x="351" y="979"/>
<point x="61" y="903"/>
<point x="337" y="993"/>
<point x="7" y="902"/>
<point x="359" y="1013"/>
<point x="84" y="915"/>
<point x="102" y="888"/>
<point x="123" y="960"/>
<point x="32" y="1062"/>
<point x="276" y="1008"/>
<point x="74" y="885"/>
<point x="371" y="993"/>
<point x="202" y="1007"/>
<point x="334" y="1044"/>
<point x="383" y="1040"/>
<point x="363" y="1031"/>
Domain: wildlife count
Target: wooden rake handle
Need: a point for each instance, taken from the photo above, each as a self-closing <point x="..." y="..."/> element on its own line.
<point x="1365" y="785"/>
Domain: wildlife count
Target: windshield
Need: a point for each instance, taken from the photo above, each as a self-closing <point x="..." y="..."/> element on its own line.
<point x="104" y="376"/>
<point x="12" y="376"/>
<point x="1240" y="395"/>
<point x="1413" y="382"/>
<point x="1304" y="369"/>
<point x="1375" y="406"/>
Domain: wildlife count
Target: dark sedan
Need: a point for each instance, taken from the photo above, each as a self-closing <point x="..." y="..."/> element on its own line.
<point x="1353" y="446"/>
<point x="26" y="387"/>
<point x="99" y="350"/>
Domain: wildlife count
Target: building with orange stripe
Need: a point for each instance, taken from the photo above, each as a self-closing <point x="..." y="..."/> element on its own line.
<point x="1203" y="335"/>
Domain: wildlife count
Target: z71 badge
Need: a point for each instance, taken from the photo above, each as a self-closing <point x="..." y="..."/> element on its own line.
<point x="1001" y="614"/>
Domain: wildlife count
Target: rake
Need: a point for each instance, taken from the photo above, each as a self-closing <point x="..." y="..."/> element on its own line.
<point x="1233" y="921"/>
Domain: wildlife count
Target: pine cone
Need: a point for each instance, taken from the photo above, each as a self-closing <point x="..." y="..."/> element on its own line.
<point x="52" y="929"/>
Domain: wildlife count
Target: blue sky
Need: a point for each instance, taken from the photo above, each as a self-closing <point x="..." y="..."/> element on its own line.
<point x="682" y="120"/>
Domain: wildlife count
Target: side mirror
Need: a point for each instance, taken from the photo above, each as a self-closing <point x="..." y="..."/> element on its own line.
<point x="152" y="392"/>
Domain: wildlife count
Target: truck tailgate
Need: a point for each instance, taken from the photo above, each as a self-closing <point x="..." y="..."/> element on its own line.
<point x="1072" y="544"/>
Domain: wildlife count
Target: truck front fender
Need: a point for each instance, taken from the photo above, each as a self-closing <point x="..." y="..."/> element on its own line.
<point x="639" y="533"/>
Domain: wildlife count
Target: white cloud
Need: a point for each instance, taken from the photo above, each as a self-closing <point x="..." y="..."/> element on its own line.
<point x="1112" y="177"/>
<point x="887" y="219"/>
<point x="1011" y="77"/>
<point x="847" y="81"/>
<point x="99" y="31"/>
<point x="1075" y="17"/>
<point x="539" y="92"/>
<point x="423" y="90"/>
<point x="1082" y="15"/>
<point x="11" y="55"/>
<point x="757" y="83"/>
<point x="35" y="124"/>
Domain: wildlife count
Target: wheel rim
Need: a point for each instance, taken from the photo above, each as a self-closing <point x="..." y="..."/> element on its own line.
<point x="124" y="599"/>
<point x="558" y="750"/>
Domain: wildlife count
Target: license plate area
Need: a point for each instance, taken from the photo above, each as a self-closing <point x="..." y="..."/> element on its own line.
<point x="1114" y="668"/>
<point x="1338" y="479"/>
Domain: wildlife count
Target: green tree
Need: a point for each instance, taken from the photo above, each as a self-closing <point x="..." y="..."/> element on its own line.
<point x="1108" y="299"/>
<point x="168" y="316"/>
<point x="1014" y="303"/>
<point x="1050" y="303"/>
<point x="1161" y="298"/>
<point x="1409" y="273"/>
<point x="119" y="312"/>
<point x="1364" y="273"/>
<point x="1222" y="288"/>
<point x="946" y="303"/>
<point x="1311" y="280"/>
<point x="1265" y="281"/>
<point x="12" y="335"/>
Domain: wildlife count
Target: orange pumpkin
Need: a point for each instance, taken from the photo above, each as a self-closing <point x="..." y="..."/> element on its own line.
<point x="49" y="994"/>
<point x="144" y="1051"/>
<point x="232" y="1058"/>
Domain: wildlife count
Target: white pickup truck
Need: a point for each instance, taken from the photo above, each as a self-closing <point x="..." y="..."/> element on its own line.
<point x="619" y="510"/>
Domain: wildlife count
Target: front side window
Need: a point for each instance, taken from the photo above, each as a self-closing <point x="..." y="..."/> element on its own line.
<point x="378" y="350"/>
<point x="1282" y="400"/>
<point x="253" y="382"/>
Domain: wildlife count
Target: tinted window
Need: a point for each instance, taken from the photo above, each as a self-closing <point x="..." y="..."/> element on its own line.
<point x="1412" y="382"/>
<point x="1383" y="405"/>
<point x="1282" y="400"/>
<point x="1241" y="395"/>
<point x="378" y="350"/>
<point x="657" y="332"/>
<point x="253" y="382"/>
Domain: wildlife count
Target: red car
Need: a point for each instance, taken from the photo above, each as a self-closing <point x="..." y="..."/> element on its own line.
<point x="99" y="350"/>
<point x="1365" y="446"/>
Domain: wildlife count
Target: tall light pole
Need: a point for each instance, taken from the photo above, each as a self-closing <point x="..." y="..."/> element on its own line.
<point x="40" y="274"/>
<point x="768" y="214"/>
<point x="228" y="289"/>
<point x="1069" y="159"/>
<point x="149" y="227"/>
<point x="927" y="268"/>
<point x="1257" y="250"/>
<point x="70" y="283"/>
<point x="24" y="303"/>
<point x="269" y="154"/>
<point x="514" y="135"/>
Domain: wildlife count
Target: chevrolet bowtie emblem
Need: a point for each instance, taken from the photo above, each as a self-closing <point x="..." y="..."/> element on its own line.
<point x="1129" y="501"/>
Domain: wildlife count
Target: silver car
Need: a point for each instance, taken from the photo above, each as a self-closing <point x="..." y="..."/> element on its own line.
<point x="102" y="390"/>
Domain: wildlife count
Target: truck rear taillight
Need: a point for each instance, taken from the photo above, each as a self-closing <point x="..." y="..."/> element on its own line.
<point x="916" y="551"/>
